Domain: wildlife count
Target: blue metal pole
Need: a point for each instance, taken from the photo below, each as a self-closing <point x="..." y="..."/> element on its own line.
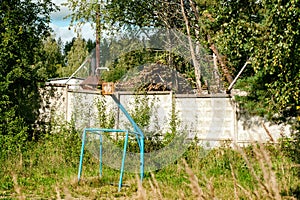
<point x="138" y="130"/>
<point x="138" y="140"/>
<point x="142" y="158"/>
<point x="135" y="126"/>
<point x="123" y="161"/>
<point x="100" y="167"/>
<point x="81" y="154"/>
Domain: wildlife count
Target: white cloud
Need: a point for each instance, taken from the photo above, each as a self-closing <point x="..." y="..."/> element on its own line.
<point x="67" y="34"/>
<point x="60" y="25"/>
<point x="63" y="12"/>
<point x="88" y="32"/>
<point x="62" y="32"/>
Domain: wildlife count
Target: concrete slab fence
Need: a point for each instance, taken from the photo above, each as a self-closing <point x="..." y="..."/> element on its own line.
<point x="213" y="119"/>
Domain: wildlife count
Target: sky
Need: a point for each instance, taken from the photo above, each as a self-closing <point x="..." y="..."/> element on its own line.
<point x="60" y="25"/>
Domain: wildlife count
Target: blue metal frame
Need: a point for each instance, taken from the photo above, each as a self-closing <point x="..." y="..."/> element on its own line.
<point x="137" y="132"/>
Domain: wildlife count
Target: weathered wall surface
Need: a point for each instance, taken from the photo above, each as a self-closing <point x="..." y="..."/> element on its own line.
<point x="211" y="118"/>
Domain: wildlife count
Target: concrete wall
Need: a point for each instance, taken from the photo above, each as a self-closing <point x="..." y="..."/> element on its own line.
<point x="211" y="118"/>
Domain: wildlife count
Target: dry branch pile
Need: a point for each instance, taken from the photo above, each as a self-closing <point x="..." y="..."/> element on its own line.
<point x="155" y="77"/>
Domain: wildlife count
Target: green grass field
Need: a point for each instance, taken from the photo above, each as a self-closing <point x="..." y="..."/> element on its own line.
<point x="48" y="170"/>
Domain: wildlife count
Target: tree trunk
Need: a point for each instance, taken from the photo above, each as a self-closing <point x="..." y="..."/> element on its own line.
<point x="97" y="72"/>
<point x="224" y="68"/>
<point x="195" y="62"/>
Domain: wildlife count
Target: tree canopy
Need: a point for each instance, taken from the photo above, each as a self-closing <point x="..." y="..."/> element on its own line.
<point x="23" y="26"/>
<point x="75" y="57"/>
<point x="266" y="32"/>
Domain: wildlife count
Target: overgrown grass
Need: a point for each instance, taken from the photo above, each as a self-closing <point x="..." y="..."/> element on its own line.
<point x="48" y="170"/>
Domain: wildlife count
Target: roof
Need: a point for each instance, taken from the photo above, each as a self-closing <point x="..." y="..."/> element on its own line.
<point x="155" y="77"/>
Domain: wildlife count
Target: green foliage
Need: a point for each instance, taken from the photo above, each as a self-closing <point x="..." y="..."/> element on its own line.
<point x="23" y="26"/>
<point x="14" y="136"/>
<point x="83" y="11"/>
<point x="290" y="148"/>
<point x="238" y="20"/>
<point x="134" y="59"/>
<point x="117" y="14"/>
<point x="276" y="58"/>
<point x="105" y="116"/>
<point x="51" y="165"/>
<point x="142" y="110"/>
<point x="268" y="33"/>
<point x="90" y="44"/>
<point x="265" y="31"/>
<point x="64" y="142"/>
<point x="174" y="123"/>
<point x="75" y="57"/>
<point x="53" y="59"/>
<point x="158" y="13"/>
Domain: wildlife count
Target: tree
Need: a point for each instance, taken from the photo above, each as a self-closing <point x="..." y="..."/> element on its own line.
<point x="120" y="15"/>
<point x="273" y="91"/>
<point x="53" y="60"/>
<point x="23" y="26"/>
<point x="68" y="45"/>
<point x="266" y="32"/>
<point x="75" y="57"/>
<point x="90" y="44"/>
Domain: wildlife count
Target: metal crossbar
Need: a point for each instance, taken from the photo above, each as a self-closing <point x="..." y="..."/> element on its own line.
<point x="99" y="131"/>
